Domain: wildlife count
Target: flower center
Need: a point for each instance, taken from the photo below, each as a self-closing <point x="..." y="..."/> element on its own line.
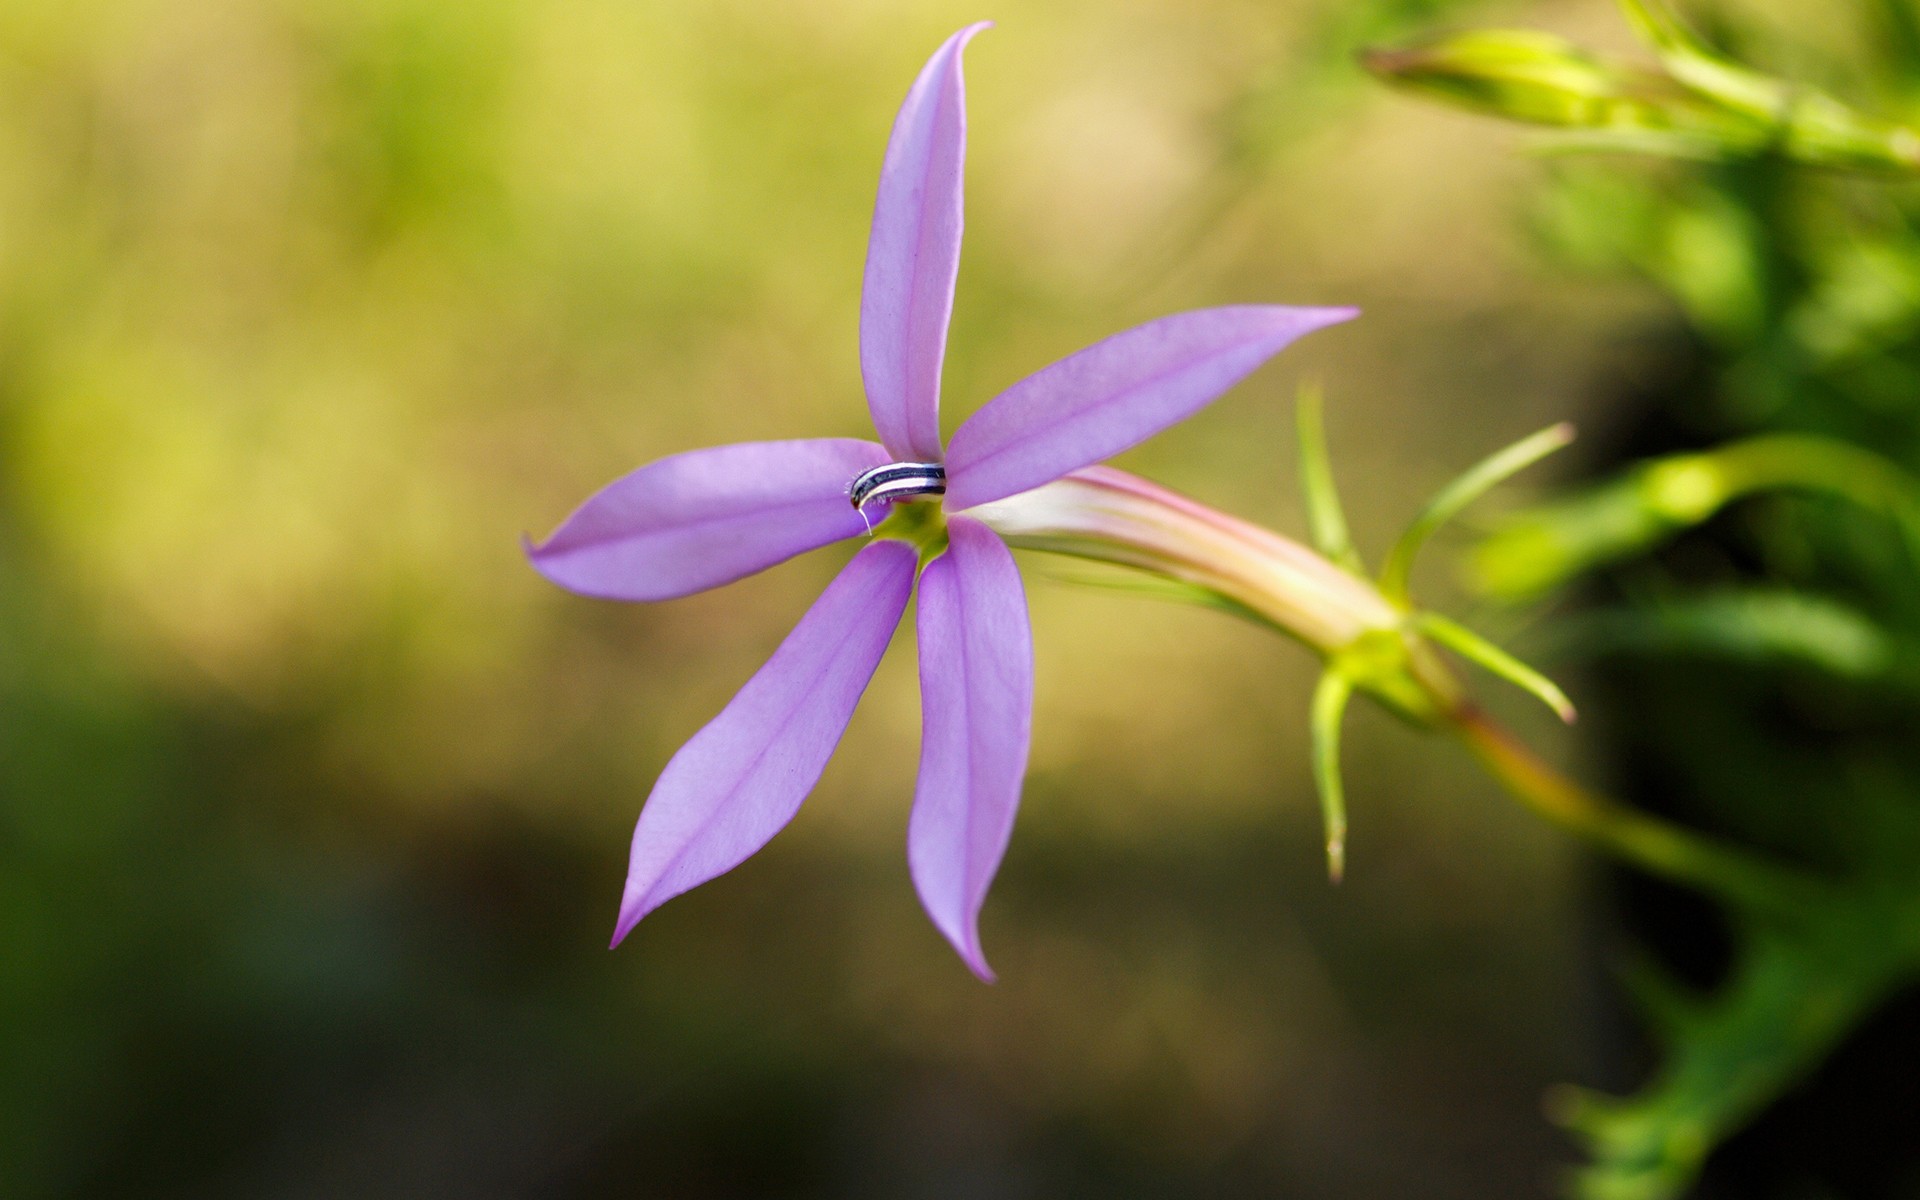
<point x="896" y="481"/>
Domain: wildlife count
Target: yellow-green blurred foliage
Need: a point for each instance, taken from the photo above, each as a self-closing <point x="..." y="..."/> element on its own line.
<point x="317" y="797"/>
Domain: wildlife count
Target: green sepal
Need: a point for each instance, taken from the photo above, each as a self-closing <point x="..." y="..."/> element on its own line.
<point x="1329" y="707"/>
<point x="1478" y="479"/>
<point x="1476" y="649"/>
<point x="1325" y="518"/>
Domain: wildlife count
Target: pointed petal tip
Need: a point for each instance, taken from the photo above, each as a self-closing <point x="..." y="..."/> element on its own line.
<point x="538" y="558"/>
<point x="963" y="934"/>
<point x="967" y="946"/>
<point x="534" y="549"/>
<point x="636" y="902"/>
<point x="544" y="563"/>
<point x="535" y="553"/>
<point x="966" y="33"/>
<point x="1335" y="314"/>
<point x="551" y="566"/>
<point x="629" y="917"/>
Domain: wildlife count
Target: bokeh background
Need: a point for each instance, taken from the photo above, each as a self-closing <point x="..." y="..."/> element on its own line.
<point x="315" y="799"/>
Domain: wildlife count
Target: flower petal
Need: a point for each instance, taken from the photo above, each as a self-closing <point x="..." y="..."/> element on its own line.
<point x="697" y="520"/>
<point x="976" y="694"/>
<point x="1116" y="394"/>
<point x="738" y="781"/>
<point x="913" y="255"/>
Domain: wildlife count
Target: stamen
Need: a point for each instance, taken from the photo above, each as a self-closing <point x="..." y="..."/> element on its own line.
<point x="896" y="481"/>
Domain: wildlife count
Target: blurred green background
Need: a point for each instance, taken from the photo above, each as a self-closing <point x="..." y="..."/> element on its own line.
<point x="315" y="799"/>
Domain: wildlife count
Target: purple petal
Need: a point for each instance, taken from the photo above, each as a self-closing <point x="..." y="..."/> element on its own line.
<point x="707" y="517"/>
<point x="738" y="781"/>
<point x="976" y="695"/>
<point x="913" y="255"/>
<point x="1115" y="394"/>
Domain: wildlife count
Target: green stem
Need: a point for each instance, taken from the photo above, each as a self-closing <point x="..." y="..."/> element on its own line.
<point x="1654" y="845"/>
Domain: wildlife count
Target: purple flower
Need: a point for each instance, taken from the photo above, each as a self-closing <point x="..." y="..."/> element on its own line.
<point x="704" y="518"/>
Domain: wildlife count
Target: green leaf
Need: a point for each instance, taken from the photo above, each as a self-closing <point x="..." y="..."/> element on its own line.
<point x="1759" y="625"/>
<point x="1542" y="548"/>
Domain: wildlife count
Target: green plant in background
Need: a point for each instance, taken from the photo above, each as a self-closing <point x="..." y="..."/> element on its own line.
<point x="1751" y="557"/>
<point x="1696" y="103"/>
<point x="1818" y="951"/>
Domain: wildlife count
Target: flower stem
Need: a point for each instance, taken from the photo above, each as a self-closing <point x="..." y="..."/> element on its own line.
<point x="1656" y="846"/>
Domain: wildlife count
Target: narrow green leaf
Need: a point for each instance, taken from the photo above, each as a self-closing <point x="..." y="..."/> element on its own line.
<point x="1771" y="626"/>
<point x="1801" y="123"/>
<point x="1329" y="706"/>
<point x="1693" y="62"/>
<point x="1489" y="472"/>
<point x="1325" y="517"/>
<point x="1688" y="58"/>
<point x="1670" y="1008"/>
<point x="1661" y="29"/>
<point x="1634" y="512"/>
<point x="1474" y="648"/>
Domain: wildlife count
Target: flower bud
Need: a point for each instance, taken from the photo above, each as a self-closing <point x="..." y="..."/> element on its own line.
<point x="1532" y="77"/>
